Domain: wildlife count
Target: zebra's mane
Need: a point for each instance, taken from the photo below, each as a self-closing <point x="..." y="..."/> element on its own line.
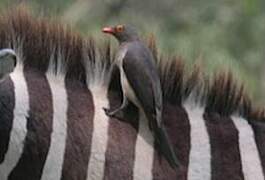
<point x="221" y="94"/>
<point x="44" y="46"/>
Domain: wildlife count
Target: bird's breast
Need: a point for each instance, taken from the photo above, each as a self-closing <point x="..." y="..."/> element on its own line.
<point x="127" y="89"/>
<point x="120" y="55"/>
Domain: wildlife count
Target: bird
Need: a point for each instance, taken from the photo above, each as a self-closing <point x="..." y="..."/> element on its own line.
<point x="141" y="85"/>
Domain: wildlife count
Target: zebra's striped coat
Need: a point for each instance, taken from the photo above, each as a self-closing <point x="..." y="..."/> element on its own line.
<point x="52" y="125"/>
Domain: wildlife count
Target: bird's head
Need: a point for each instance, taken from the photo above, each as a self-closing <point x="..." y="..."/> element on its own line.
<point x="123" y="33"/>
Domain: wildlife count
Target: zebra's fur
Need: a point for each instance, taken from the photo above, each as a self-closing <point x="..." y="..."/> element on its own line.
<point x="63" y="59"/>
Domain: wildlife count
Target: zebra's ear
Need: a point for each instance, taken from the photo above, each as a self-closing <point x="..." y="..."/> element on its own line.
<point x="8" y="62"/>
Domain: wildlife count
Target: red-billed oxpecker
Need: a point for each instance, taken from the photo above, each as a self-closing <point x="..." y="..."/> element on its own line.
<point x="141" y="85"/>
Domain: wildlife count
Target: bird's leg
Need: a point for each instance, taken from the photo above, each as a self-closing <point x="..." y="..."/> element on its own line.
<point x="117" y="113"/>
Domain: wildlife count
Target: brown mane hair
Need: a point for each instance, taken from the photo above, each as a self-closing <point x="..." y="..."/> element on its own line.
<point x="44" y="45"/>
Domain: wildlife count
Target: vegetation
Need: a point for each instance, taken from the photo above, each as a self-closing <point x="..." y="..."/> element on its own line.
<point x="226" y="34"/>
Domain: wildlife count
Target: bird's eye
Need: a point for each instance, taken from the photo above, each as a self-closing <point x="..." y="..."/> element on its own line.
<point x="120" y="28"/>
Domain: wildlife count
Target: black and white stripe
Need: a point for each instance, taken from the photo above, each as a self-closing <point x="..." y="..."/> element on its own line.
<point x="7" y="106"/>
<point x="55" y="128"/>
<point x="224" y="145"/>
<point x="118" y="152"/>
<point x="19" y="125"/>
<point x="251" y="162"/>
<point x="38" y="127"/>
<point x="54" y="161"/>
<point x="200" y="156"/>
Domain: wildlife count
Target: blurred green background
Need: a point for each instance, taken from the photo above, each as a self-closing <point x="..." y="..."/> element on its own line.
<point x="219" y="34"/>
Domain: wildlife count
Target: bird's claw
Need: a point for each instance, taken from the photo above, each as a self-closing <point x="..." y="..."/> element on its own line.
<point x="114" y="114"/>
<point x="107" y="112"/>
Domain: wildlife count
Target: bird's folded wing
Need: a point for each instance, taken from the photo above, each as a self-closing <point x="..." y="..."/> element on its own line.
<point x="143" y="79"/>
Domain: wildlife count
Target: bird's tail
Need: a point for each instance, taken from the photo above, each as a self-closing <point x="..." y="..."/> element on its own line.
<point x="165" y="147"/>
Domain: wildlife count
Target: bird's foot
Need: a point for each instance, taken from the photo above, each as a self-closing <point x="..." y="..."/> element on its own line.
<point x="118" y="114"/>
<point x="108" y="112"/>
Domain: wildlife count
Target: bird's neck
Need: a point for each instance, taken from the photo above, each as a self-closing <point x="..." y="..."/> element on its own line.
<point x="132" y="39"/>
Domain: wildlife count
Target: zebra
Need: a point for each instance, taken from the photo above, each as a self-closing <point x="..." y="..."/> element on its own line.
<point x="52" y="125"/>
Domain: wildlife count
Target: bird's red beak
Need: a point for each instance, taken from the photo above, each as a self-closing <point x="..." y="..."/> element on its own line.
<point x="108" y="30"/>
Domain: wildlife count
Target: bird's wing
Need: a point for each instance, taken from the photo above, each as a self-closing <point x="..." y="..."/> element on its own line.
<point x="140" y="70"/>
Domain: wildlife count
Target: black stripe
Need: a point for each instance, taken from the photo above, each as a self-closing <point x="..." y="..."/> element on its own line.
<point x="7" y="105"/>
<point x="259" y="132"/>
<point x="120" y="152"/>
<point x="178" y="127"/>
<point x="39" y="128"/>
<point x="79" y="131"/>
<point x="225" y="153"/>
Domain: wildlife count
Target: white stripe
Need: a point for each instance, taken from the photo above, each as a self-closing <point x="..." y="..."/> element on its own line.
<point x="19" y="129"/>
<point x="251" y="164"/>
<point x="54" y="162"/>
<point x="200" y="154"/>
<point x="144" y="151"/>
<point x="100" y="135"/>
